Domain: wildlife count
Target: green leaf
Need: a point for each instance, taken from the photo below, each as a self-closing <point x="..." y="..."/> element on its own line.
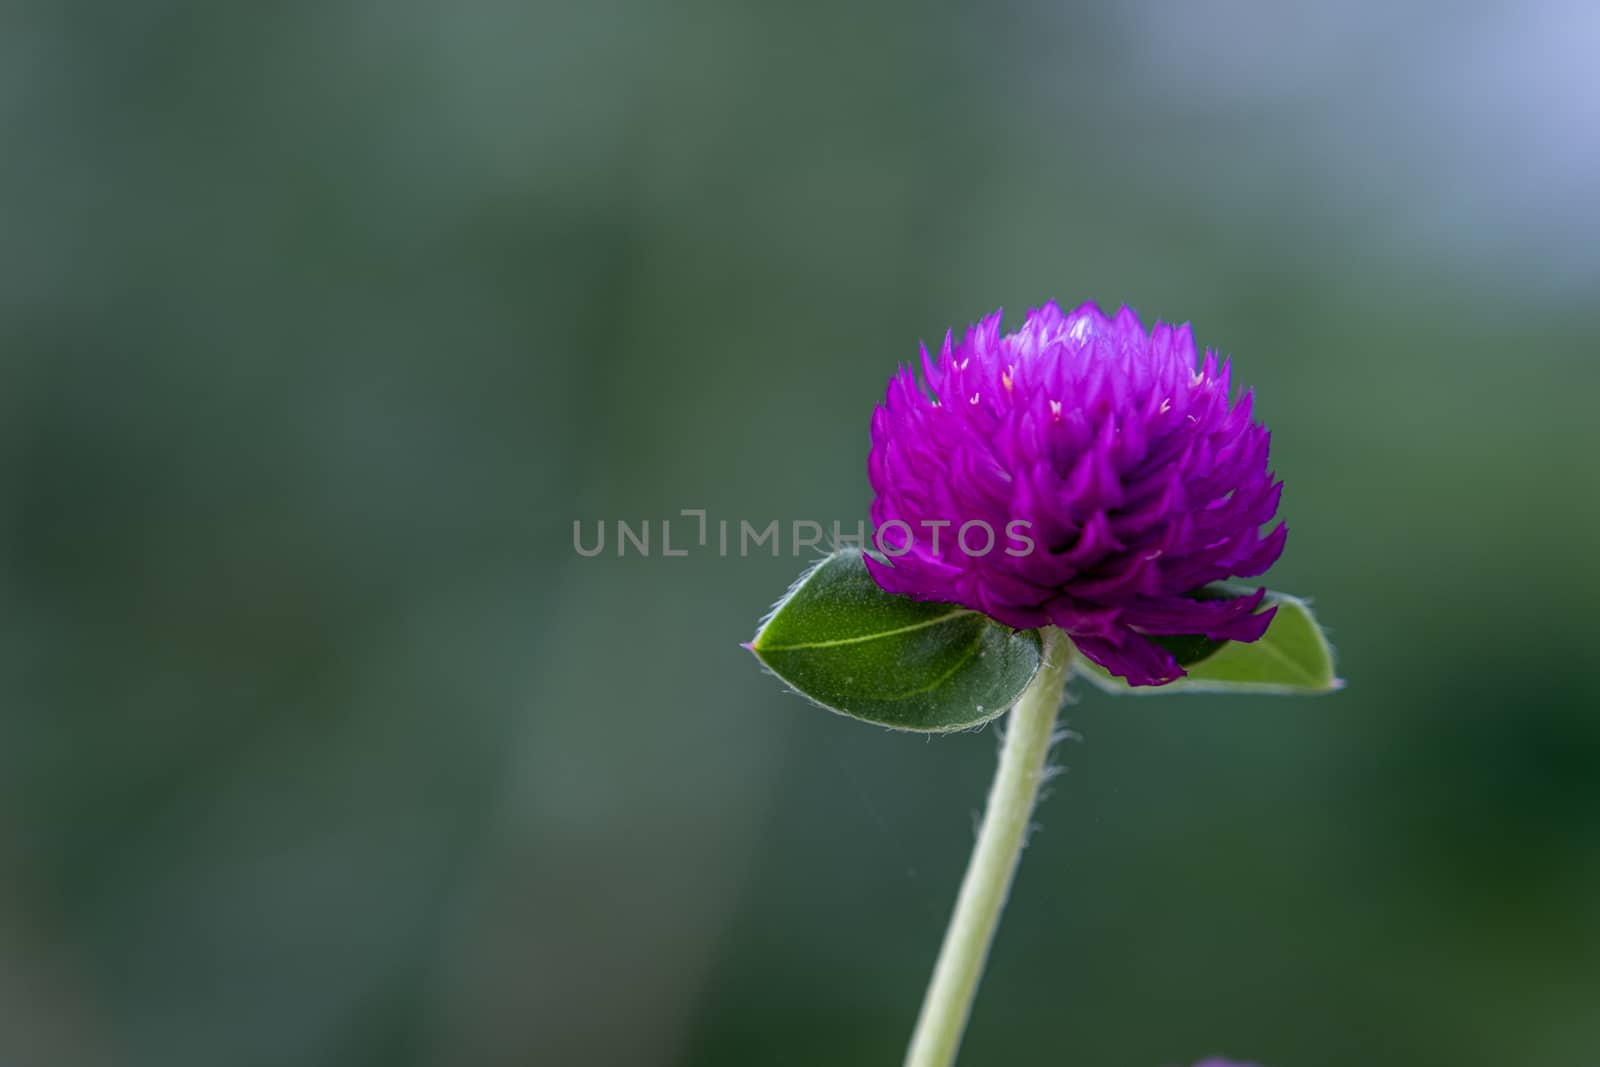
<point x="1293" y="656"/>
<point x="839" y="640"/>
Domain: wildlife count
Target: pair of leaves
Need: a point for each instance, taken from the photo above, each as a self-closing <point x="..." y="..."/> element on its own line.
<point x="838" y="639"/>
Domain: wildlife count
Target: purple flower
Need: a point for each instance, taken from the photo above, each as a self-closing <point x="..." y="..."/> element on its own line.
<point x="1079" y="472"/>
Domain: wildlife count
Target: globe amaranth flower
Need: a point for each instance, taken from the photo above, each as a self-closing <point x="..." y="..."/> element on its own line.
<point x="1081" y="472"/>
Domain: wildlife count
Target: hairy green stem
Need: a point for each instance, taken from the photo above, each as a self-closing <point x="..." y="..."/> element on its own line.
<point x="1029" y="728"/>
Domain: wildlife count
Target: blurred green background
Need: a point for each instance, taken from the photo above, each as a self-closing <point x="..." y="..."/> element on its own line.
<point x="322" y="322"/>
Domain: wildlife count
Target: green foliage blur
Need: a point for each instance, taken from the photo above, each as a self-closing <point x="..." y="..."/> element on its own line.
<point x="321" y="323"/>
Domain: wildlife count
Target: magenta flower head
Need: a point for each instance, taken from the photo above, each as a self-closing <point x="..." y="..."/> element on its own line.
<point x="1081" y="472"/>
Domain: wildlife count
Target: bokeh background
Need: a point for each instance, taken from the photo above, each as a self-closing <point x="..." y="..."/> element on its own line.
<point x="320" y="324"/>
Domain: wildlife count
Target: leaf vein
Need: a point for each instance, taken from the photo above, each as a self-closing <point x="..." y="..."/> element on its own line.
<point x="862" y="638"/>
